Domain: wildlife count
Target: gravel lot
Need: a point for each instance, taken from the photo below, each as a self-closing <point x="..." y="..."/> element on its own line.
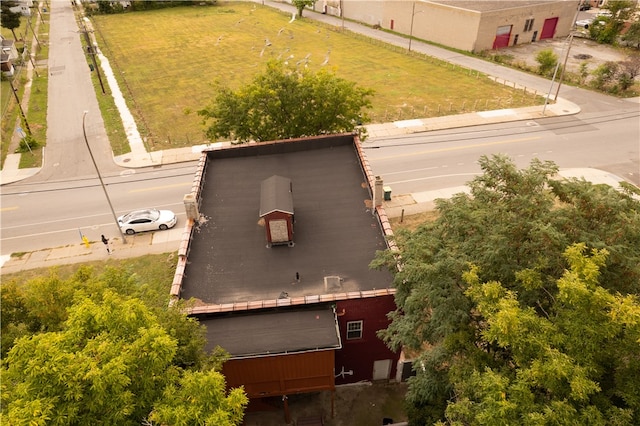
<point x="581" y="50"/>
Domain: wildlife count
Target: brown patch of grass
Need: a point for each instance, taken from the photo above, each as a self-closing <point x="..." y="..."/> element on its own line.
<point x="412" y="222"/>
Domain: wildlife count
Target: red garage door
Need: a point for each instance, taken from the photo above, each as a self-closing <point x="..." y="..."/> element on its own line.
<point x="502" y="37"/>
<point x="549" y="28"/>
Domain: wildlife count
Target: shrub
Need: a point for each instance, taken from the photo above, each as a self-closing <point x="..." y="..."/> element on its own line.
<point x="27" y="144"/>
<point x="547" y="61"/>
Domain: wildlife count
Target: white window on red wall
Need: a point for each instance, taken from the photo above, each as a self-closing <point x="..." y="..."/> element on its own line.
<point x="354" y="330"/>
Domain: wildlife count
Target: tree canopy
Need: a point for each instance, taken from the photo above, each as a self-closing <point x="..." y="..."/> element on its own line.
<point x="512" y="229"/>
<point x="301" y="4"/>
<point x="8" y="19"/>
<point x="577" y="364"/>
<point x="606" y="29"/>
<point x="287" y="102"/>
<point x="77" y="352"/>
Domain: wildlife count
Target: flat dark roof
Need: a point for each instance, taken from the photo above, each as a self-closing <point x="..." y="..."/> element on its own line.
<point x="278" y="332"/>
<point x="335" y="233"/>
<point x="492" y="5"/>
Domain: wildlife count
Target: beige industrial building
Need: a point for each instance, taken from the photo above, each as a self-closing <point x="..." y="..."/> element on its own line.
<point x="470" y="25"/>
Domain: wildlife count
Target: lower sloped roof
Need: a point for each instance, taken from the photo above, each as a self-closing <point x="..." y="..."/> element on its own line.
<point x="276" y="332"/>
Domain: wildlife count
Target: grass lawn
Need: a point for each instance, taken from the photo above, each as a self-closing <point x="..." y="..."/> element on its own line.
<point x="37" y="110"/>
<point x="168" y="60"/>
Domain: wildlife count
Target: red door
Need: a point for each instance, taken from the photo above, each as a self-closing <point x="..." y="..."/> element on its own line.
<point x="549" y="28"/>
<point x="502" y="37"/>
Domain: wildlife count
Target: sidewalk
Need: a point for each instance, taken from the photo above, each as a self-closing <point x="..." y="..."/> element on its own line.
<point x="135" y="246"/>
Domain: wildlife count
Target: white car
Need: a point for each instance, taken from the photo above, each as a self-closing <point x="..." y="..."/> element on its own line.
<point x="146" y="220"/>
<point x="584" y="23"/>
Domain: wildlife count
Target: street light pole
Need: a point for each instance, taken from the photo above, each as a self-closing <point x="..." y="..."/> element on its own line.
<point x="564" y="66"/>
<point x="555" y="73"/>
<point x="413" y="13"/>
<point x="86" y="141"/>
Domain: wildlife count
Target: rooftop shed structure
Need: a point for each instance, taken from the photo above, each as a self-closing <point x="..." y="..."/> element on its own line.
<point x="276" y="210"/>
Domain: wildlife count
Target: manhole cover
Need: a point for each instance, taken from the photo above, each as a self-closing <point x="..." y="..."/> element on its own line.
<point x="582" y="56"/>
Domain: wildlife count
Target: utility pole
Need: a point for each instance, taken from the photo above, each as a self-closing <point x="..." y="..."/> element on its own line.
<point x="31" y="60"/>
<point x="86" y="141"/>
<point x="564" y="66"/>
<point x="413" y="13"/>
<point x="91" y="52"/>
<point x="34" y="33"/>
<point x="24" y="117"/>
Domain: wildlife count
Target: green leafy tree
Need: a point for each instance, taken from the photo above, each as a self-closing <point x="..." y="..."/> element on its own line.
<point x="199" y="398"/>
<point x="8" y="19"/>
<point x="41" y="304"/>
<point x="621" y="10"/>
<point x="547" y="61"/>
<point x="284" y="102"/>
<point x="111" y="363"/>
<point x="607" y="29"/>
<point x="576" y="364"/>
<point x="301" y="4"/>
<point x="514" y="226"/>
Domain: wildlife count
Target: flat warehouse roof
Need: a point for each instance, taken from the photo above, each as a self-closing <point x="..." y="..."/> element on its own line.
<point x="491" y="5"/>
<point x="278" y="332"/>
<point x="335" y="233"/>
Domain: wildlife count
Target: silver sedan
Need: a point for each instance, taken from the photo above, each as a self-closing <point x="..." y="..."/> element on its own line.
<point x="146" y="220"/>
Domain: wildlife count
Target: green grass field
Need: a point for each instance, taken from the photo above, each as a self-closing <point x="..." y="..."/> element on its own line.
<point x="37" y="109"/>
<point x="167" y="60"/>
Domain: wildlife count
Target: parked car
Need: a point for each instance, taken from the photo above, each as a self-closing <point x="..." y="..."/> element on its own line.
<point x="146" y="220"/>
<point x="585" y="6"/>
<point x="584" y="23"/>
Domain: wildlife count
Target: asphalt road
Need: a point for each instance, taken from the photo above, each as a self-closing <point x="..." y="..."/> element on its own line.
<point x="71" y="93"/>
<point x="434" y="160"/>
<point x="48" y="209"/>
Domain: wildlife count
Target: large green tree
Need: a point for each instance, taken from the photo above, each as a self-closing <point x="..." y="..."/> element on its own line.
<point x="106" y="348"/>
<point x="514" y="226"/>
<point x="607" y="29"/>
<point x="8" y="19"/>
<point x="287" y="102"/>
<point x="578" y="363"/>
<point x="111" y="363"/>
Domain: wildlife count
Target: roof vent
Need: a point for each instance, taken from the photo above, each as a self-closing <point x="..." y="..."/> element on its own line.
<point x="332" y="282"/>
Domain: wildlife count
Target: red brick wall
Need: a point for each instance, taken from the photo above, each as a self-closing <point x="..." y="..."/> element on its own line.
<point x="358" y="355"/>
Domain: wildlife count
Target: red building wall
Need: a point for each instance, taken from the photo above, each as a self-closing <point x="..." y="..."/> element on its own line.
<point x="278" y="215"/>
<point x="359" y="355"/>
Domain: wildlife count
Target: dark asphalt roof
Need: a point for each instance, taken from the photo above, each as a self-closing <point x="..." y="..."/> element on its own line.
<point x="335" y="232"/>
<point x="268" y="333"/>
<point x="491" y="5"/>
